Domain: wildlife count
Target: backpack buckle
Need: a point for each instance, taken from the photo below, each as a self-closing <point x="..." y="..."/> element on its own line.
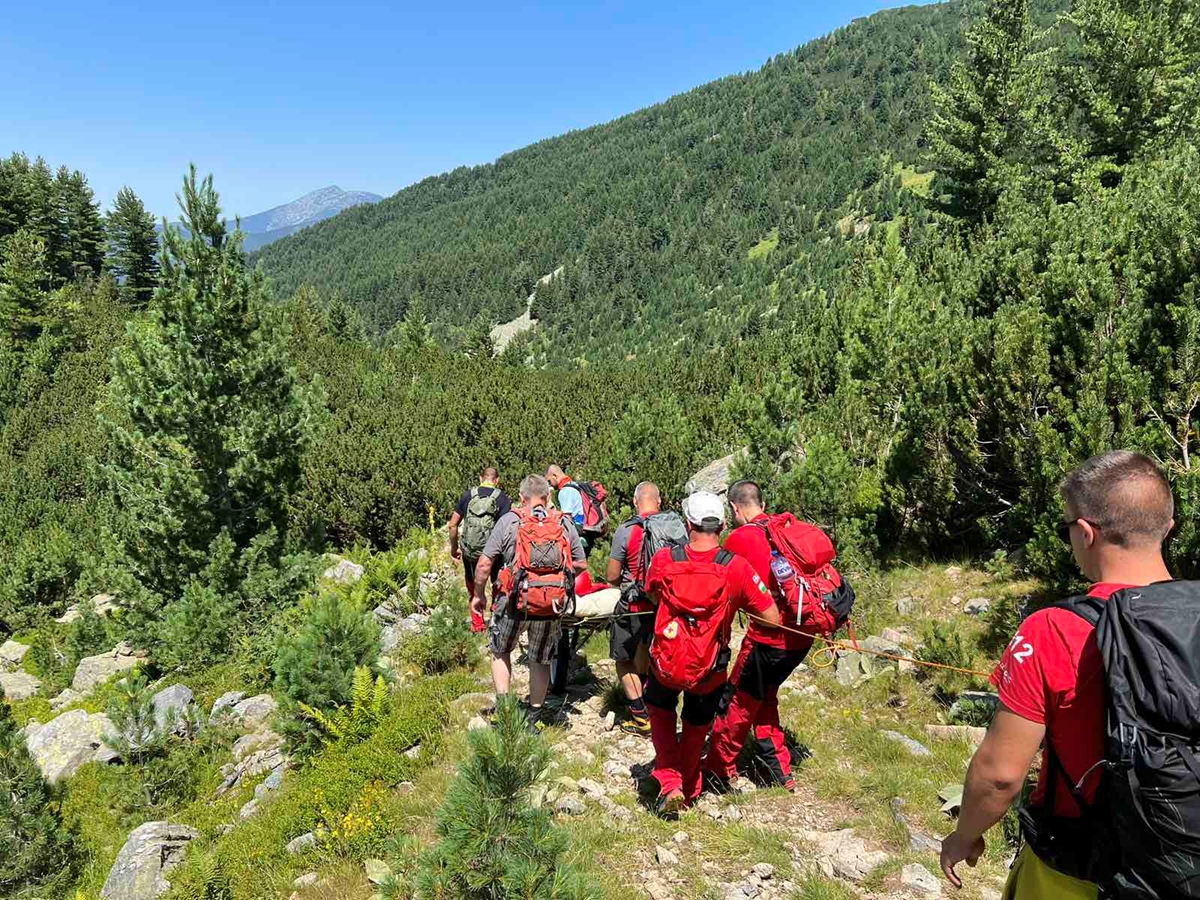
<point x="1128" y="741"/>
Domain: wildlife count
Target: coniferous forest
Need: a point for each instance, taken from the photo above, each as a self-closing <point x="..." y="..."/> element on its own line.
<point x="919" y="268"/>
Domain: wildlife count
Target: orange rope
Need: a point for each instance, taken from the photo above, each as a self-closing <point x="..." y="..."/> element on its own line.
<point x="831" y="647"/>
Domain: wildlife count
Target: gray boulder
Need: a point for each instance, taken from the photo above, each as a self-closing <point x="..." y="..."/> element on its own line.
<point x="255" y="711"/>
<point x="916" y="748"/>
<point x="226" y="702"/>
<point x="716" y="476"/>
<point x="841" y="854"/>
<point x="977" y="606"/>
<point x="170" y="703"/>
<point x="306" y="841"/>
<point x="149" y="855"/>
<point x="103" y="604"/>
<point x="343" y="571"/>
<point x="918" y="878"/>
<point x="853" y="667"/>
<point x="65" y="744"/>
<point x="19" y="685"/>
<point x="918" y="841"/>
<point x="93" y="671"/>
<point x="11" y="655"/>
<point x="64" y="699"/>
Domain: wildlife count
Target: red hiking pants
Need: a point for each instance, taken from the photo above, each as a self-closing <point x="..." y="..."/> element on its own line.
<point x="759" y="672"/>
<point x="677" y="755"/>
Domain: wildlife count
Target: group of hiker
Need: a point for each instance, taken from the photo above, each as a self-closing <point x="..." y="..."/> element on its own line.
<point x="677" y="591"/>
<point x="1106" y="685"/>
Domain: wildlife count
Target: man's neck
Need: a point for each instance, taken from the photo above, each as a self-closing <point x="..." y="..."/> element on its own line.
<point x="751" y="514"/>
<point x="1119" y="566"/>
<point x="702" y="543"/>
<point x="648" y="512"/>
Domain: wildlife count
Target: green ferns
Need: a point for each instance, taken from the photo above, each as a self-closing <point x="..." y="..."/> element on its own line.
<point x="367" y="708"/>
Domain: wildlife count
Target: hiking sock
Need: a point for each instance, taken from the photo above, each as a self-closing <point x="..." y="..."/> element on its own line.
<point x="638" y="708"/>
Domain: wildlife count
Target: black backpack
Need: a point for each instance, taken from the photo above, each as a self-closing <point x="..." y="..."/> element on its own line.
<point x="660" y="530"/>
<point x="1144" y="825"/>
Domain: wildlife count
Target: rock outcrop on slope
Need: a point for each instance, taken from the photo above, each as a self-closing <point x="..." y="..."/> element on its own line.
<point x="65" y="744"/>
<point x="149" y="855"/>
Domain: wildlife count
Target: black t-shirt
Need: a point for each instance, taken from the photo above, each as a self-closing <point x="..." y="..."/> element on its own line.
<point x="503" y="503"/>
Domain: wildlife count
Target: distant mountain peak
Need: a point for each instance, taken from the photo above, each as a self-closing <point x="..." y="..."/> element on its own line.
<point x="307" y="210"/>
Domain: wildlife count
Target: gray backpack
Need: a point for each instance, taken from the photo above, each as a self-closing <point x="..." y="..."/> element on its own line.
<point x="482" y="513"/>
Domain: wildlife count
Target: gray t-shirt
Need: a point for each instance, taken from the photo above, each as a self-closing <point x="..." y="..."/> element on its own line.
<point x="502" y="545"/>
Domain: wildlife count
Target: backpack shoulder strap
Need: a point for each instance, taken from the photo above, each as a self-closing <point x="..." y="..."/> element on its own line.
<point x="1087" y="608"/>
<point x="724" y="557"/>
<point x="679" y="554"/>
<point x="475" y="493"/>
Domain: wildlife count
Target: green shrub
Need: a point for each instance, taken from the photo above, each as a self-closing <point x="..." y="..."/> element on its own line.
<point x="493" y="841"/>
<point x="33" y="843"/>
<point x="196" y="628"/>
<point x="315" y="664"/>
<point x="446" y="641"/>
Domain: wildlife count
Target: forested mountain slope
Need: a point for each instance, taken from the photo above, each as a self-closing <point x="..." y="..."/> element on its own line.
<point x="675" y="217"/>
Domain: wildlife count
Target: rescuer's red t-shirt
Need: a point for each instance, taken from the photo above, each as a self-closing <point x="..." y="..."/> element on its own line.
<point x="1051" y="673"/>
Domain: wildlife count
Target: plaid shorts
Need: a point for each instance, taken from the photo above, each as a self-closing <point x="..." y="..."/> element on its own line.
<point x="505" y="629"/>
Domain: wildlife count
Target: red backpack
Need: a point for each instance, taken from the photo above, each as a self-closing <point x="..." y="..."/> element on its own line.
<point x="690" y="629"/>
<point x="812" y="593"/>
<point x="595" y="507"/>
<point x="539" y="582"/>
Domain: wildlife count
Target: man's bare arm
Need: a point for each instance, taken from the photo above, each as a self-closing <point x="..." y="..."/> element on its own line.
<point x="483" y="574"/>
<point x="994" y="780"/>
<point x="454" y="520"/>
<point x="613" y="574"/>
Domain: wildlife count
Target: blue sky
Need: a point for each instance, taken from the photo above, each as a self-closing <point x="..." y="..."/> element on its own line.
<point x="276" y="99"/>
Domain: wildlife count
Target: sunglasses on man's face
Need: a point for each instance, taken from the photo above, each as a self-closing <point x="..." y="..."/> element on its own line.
<point x="1064" y="529"/>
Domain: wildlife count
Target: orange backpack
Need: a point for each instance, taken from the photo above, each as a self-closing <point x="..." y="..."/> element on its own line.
<point x="539" y="583"/>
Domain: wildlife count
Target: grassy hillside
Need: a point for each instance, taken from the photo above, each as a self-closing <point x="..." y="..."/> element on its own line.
<point x="659" y="216"/>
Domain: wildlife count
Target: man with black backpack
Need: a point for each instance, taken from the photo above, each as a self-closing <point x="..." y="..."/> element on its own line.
<point x="633" y="546"/>
<point x="1111" y="682"/>
<point x="477" y="512"/>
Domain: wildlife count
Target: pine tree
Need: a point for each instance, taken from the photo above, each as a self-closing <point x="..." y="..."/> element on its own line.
<point x="33" y="843"/>
<point x="23" y="277"/>
<point x="132" y="248"/>
<point x="81" y="227"/>
<point x="495" y="843"/>
<point x="1136" y="81"/>
<point x="415" y="334"/>
<point x="205" y="420"/>
<point x="981" y="114"/>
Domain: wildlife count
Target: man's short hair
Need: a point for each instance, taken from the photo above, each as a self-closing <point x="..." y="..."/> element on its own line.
<point x="1125" y="495"/>
<point x="490" y="474"/>
<point x="646" y="488"/>
<point x="745" y="493"/>
<point x="534" y="487"/>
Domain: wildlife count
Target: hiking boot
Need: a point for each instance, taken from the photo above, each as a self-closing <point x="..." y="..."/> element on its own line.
<point x="535" y="717"/>
<point x="790" y="785"/>
<point x="718" y="784"/>
<point x="638" y="725"/>
<point x="670" y="805"/>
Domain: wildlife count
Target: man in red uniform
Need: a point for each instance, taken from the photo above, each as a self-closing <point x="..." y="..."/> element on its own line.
<point x="768" y="656"/>
<point x="677" y="762"/>
<point x="1119" y="510"/>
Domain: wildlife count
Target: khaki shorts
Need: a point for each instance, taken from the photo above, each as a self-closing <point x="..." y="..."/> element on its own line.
<point x="506" y="629"/>
<point x="1032" y="879"/>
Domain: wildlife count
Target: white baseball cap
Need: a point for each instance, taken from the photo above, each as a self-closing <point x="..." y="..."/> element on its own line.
<point x="704" y="508"/>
